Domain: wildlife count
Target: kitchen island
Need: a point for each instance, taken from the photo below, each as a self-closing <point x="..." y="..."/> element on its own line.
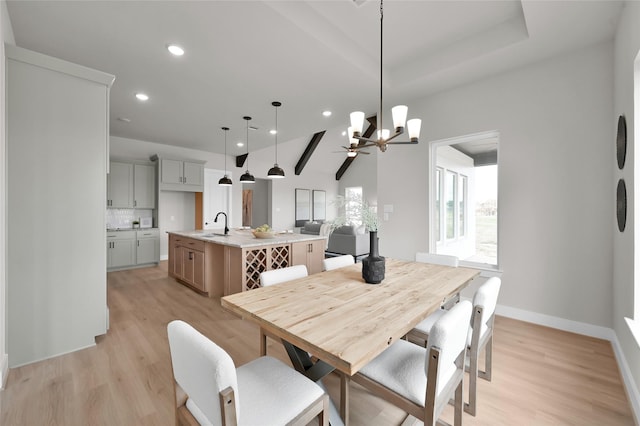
<point x="217" y="265"/>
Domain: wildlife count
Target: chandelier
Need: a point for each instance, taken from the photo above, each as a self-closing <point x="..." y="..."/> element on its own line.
<point x="384" y="136"/>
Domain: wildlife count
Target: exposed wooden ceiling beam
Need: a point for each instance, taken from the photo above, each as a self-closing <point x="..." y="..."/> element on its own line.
<point x="240" y="159"/>
<point x="367" y="134"/>
<point x="306" y="155"/>
<point x="343" y="168"/>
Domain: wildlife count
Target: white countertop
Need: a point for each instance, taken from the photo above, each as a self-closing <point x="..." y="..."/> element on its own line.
<point x="129" y="229"/>
<point x="244" y="238"/>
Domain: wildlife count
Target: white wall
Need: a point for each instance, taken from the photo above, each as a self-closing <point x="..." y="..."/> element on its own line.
<point x="363" y="172"/>
<point x="319" y="174"/>
<point x="627" y="45"/>
<point x="176" y="210"/>
<point x="56" y="250"/>
<point x="6" y="36"/>
<point x="260" y="202"/>
<point x="314" y="176"/>
<point x="555" y="190"/>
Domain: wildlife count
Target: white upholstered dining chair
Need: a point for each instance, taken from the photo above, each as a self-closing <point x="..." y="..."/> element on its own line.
<point x="480" y="336"/>
<point x="337" y="262"/>
<point x="419" y="380"/>
<point x="273" y="277"/>
<point x="210" y="390"/>
<point x="441" y="259"/>
<point x="277" y="276"/>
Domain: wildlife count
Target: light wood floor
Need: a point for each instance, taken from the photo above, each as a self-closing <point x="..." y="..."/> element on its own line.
<point x="541" y="376"/>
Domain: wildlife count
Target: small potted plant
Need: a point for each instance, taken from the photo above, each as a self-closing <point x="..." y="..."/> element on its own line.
<point x="373" y="266"/>
<point x="135" y="224"/>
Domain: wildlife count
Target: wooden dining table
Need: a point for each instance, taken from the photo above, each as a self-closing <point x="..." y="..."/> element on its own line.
<point x="343" y="321"/>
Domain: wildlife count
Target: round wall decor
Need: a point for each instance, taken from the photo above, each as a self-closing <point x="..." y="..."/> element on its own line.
<point x="621" y="205"/>
<point x="621" y="141"/>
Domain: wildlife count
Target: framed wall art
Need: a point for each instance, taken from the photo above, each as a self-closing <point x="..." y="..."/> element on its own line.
<point x="319" y="205"/>
<point x="303" y="206"/>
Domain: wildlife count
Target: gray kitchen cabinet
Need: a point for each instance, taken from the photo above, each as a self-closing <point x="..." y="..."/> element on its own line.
<point x="121" y="249"/>
<point x="120" y="185"/>
<point x="144" y="186"/>
<point x="147" y="246"/>
<point x="131" y="185"/>
<point x="171" y="171"/>
<point x="193" y="173"/>
<point x="181" y="175"/>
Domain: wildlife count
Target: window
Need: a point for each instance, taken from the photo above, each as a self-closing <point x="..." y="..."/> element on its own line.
<point x="438" y="203"/>
<point x="464" y="200"/>
<point x="462" y="204"/>
<point x="353" y="198"/>
<point x="450" y="203"/>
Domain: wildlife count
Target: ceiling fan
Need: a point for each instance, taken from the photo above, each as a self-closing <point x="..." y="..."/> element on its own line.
<point x="353" y="150"/>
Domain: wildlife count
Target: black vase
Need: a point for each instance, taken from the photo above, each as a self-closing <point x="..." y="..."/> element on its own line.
<point x="373" y="265"/>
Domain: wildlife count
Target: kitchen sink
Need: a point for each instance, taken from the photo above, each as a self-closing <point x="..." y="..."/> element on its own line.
<point x="214" y="234"/>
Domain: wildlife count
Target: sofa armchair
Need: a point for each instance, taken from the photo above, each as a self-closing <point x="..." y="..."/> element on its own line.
<point x="349" y="239"/>
<point x="312" y="228"/>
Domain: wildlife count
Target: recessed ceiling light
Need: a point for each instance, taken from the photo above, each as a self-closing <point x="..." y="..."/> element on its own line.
<point x="240" y="144"/>
<point x="326" y="113"/>
<point x="175" y="50"/>
<point x="142" y="97"/>
<point x="273" y="131"/>
<point x="344" y="133"/>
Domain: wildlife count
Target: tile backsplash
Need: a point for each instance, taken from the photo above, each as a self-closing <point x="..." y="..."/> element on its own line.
<point x="122" y="218"/>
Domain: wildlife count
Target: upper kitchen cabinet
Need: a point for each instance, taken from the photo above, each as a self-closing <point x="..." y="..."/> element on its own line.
<point x="181" y="175"/>
<point x="120" y="185"/>
<point x="131" y="186"/>
<point x="144" y="186"/>
<point x="57" y="145"/>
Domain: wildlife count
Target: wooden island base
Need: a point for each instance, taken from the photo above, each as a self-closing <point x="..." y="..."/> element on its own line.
<point x="218" y="266"/>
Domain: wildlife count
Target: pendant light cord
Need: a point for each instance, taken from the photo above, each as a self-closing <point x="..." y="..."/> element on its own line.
<point x="276" y="135"/>
<point x="225" y="152"/>
<point x="247" y="143"/>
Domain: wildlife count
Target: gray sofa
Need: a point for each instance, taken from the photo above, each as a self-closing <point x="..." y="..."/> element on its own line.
<point x="311" y="228"/>
<point x="348" y="240"/>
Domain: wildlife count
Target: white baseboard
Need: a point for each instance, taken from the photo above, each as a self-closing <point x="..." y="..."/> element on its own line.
<point x="629" y="383"/>
<point x="4" y="370"/>
<point x="54" y="355"/>
<point x="556" y="322"/>
<point x="587" y="330"/>
<point x="164" y="257"/>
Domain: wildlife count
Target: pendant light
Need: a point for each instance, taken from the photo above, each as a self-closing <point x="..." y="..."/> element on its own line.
<point x="276" y="172"/>
<point x="247" y="177"/>
<point x="225" y="181"/>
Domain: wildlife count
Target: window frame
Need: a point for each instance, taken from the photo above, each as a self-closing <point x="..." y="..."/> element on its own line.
<point x="433" y="242"/>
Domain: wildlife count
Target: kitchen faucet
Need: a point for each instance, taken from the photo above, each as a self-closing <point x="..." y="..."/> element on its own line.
<point x="226" y="230"/>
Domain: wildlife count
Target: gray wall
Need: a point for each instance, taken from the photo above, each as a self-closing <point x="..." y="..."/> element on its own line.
<point x="176" y="210"/>
<point x="318" y="174"/>
<point x="626" y="257"/>
<point x="6" y="36"/>
<point x="57" y="135"/>
<point x="260" y="202"/>
<point x="555" y="188"/>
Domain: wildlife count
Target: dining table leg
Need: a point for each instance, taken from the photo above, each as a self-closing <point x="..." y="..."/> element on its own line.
<point x="263" y="343"/>
<point x="345" y="381"/>
<point x="302" y="362"/>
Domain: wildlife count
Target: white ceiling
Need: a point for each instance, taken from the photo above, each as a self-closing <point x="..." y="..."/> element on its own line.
<point x="310" y="55"/>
